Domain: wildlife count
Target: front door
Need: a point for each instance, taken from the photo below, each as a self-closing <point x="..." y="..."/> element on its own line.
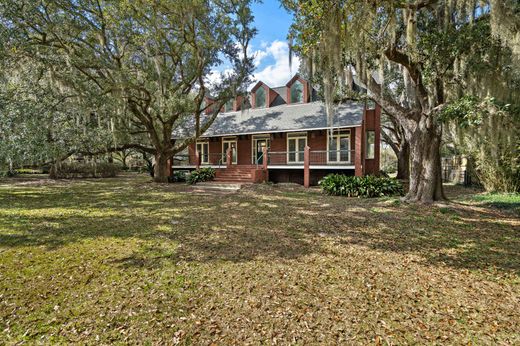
<point x="260" y="145"/>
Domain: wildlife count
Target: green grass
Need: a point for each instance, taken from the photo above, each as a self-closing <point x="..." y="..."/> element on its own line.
<point x="500" y="200"/>
<point x="124" y="260"/>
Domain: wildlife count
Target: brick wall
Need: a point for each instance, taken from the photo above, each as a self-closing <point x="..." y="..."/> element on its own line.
<point x="373" y="123"/>
<point x="244" y="150"/>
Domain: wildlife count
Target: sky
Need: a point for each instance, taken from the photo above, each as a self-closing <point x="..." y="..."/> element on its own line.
<point x="269" y="47"/>
<point x="270" y="44"/>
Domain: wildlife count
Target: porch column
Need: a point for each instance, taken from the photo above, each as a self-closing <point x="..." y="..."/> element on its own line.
<point x="265" y="163"/>
<point x="229" y="157"/>
<point x="306" y="166"/>
<point x="358" y="161"/>
<point x="197" y="160"/>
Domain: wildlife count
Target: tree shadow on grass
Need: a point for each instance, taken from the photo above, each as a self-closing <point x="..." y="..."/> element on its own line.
<point x="461" y="236"/>
<point x="254" y="225"/>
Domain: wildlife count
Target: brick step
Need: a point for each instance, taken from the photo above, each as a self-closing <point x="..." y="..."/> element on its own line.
<point x="236" y="167"/>
<point x="234" y="173"/>
<point x="233" y="178"/>
<point x="222" y="180"/>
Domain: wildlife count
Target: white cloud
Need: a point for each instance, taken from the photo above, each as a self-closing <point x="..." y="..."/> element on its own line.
<point x="278" y="73"/>
<point x="274" y="74"/>
<point x="215" y="77"/>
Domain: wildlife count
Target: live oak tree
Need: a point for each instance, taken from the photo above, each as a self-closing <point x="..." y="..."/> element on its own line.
<point x="38" y="123"/>
<point x="393" y="135"/>
<point x="418" y="40"/>
<point x="149" y="59"/>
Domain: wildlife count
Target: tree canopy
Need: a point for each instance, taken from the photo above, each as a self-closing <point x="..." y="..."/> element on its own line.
<point x="414" y="57"/>
<point x="148" y="60"/>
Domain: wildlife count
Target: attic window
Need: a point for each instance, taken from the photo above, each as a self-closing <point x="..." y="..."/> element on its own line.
<point x="228" y="107"/>
<point x="260" y="97"/>
<point x="297" y="92"/>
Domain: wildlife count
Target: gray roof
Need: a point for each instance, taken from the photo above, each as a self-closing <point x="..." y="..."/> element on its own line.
<point x="283" y="118"/>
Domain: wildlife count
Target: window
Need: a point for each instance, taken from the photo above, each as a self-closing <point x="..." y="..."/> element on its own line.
<point x="296" y="144"/>
<point x="371" y="145"/>
<point x="228" y="107"/>
<point x="203" y="150"/>
<point x="260" y="97"/>
<point x="297" y="92"/>
<point x="339" y="147"/>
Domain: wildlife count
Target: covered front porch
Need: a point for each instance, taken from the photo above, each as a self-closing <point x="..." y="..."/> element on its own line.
<point x="300" y="157"/>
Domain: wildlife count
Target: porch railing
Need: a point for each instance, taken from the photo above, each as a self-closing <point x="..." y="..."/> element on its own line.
<point x="276" y="158"/>
<point x="316" y="157"/>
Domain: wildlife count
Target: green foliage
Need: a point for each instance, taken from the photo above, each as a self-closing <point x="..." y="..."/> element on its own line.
<point x="367" y="186"/>
<point x="178" y="177"/>
<point x="489" y="132"/>
<point x="15" y="172"/>
<point x="147" y="62"/>
<point x="9" y="173"/>
<point x="29" y="171"/>
<point x="200" y="175"/>
<point x="84" y="170"/>
<point x="506" y="201"/>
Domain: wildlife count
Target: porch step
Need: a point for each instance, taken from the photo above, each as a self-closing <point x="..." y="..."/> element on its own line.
<point x="234" y="174"/>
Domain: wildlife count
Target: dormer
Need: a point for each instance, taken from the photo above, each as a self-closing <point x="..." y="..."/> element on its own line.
<point x="228" y="106"/>
<point x="262" y="95"/>
<point x="208" y="101"/>
<point x="297" y="90"/>
<point x="237" y="105"/>
<point x="233" y="105"/>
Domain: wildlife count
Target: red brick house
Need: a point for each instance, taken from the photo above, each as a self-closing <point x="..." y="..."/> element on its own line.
<point x="281" y="135"/>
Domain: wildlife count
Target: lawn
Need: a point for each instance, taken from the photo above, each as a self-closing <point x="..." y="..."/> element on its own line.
<point x="124" y="260"/>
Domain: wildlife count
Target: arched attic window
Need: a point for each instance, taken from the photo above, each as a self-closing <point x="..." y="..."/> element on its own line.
<point x="260" y="97"/>
<point x="297" y="92"/>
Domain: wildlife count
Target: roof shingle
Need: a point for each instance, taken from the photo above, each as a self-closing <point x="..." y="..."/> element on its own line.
<point x="283" y="118"/>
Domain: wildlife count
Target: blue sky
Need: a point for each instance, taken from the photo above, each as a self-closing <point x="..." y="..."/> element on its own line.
<point x="270" y="45"/>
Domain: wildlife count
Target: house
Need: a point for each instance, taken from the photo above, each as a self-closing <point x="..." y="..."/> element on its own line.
<point x="282" y="135"/>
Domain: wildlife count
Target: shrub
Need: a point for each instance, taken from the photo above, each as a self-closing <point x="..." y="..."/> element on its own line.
<point x="84" y="170"/>
<point x="368" y="186"/>
<point x="202" y="174"/>
<point x="178" y="176"/>
<point x="8" y="173"/>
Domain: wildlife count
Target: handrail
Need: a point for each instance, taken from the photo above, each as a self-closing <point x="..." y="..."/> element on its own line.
<point x="316" y="157"/>
<point x="258" y="159"/>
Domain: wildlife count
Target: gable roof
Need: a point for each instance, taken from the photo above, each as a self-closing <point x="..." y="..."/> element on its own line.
<point x="283" y="118"/>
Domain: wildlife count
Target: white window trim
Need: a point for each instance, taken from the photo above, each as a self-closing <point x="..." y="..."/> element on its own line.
<point x="296" y="156"/>
<point x="341" y="133"/>
<point x="253" y="145"/>
<point x="230" y="140"/>
<point x="203" y="154"/>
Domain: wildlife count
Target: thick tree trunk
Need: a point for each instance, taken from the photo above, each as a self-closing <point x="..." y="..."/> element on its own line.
<point x="161" y="169"/>
<point x="425" y="169"/>
<point x="403" y="161"/>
